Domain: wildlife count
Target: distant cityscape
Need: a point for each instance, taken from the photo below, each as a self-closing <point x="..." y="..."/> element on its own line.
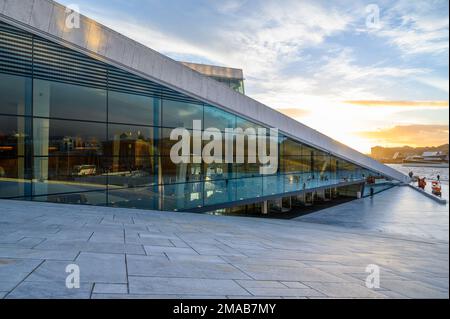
<point x="397" y="155"/>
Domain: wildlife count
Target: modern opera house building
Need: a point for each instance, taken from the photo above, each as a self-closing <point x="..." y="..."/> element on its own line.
<point x="86" y="116"/>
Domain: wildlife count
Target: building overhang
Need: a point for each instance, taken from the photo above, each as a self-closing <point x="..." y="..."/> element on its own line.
<point x="216" y="71"/>
<point x="47" y="18"/>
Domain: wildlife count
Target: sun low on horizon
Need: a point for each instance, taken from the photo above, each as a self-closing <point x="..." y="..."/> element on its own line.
<point x="366" y="73"/>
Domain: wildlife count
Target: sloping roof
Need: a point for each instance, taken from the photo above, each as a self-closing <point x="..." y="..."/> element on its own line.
<point x="47" y="19"/>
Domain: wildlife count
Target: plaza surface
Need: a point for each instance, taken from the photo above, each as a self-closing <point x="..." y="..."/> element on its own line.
<point x="143" y="254"/>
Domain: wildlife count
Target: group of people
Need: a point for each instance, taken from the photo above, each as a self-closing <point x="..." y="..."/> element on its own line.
<point x="421" y="182"/>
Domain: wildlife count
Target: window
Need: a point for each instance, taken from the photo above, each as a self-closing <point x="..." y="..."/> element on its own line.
<point x="68" y="174"/>
<point x="14" y="135"/>
<point x="216" y="118"/>
<point x="67" y="101"/>
<point x="68" y="138"/>
<point x="180" y="173"/>
<point x="180" y="114"/>
<point x="132" y="109"/>
<point x="130" y="141"/>
<point x="13" y="178"/>
<point x="14" y="92"/>
<point x="291" y="148"/>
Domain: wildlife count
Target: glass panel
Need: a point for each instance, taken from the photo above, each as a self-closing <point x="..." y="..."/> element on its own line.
<point x="132" y="109"/>
<point x="292" y="164"/>
<point x="66" y="174"/>
<point x="306" y="164"/>
<point x="248" y="187"/>
<point x="307" y="151"/>
<point x="183" y="196"/>
<point x="142" y="198"/>
<point x="321" y="167"/>
<point x="180" y="114"/>
<point x="293" y="182"/>
<point x="131" y="172"/>
<point x="291" y="148"/>
<point x="237" y="85"/>
<point x="53" y="99"/>
<point x="13" y="182"/>
<point x="14" y="136"/>
<point x="13" y="93"/>
<point x="219" y="192"/>
<point x="180" y="173"/>
<point x="244" y="124"/>
<point x="88" y="198"/>
<point x="167" y="143"/>
<point x="69" y="138"/>
<point x="273" y="184"/>
<point x="216" y="118"/>
<point x="246" y="169"/>
<point x="216" y="171"/>
<point x="130" y="141"/>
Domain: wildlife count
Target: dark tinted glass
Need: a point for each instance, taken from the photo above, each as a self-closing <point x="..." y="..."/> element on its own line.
<point x="129" y="172"/>
<point x="14" y="135"/>
<point x="180" y="114"/>
<point x="68" y="174"/>
<point x="71" y="138"/>
<point x="13" y="94"/>
<point x="53" y="99"/>
<point x="216" y="118"/>
<point x="13" y="182"/>
<point x="130" y="141"/>
<point x="132" y="109"/>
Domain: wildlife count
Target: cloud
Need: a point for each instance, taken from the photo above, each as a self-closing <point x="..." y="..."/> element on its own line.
<point x="229" y="6"/>
<point x="412" y="135"/>
<point x="419" y="104"/>
<point x="438" y="83"/>
<point x="344" y="66"/>
<point x="294" y="112"/>
<point x="417" y="27"/>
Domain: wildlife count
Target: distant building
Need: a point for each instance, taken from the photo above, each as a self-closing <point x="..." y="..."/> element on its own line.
<point x="398" y="156"/>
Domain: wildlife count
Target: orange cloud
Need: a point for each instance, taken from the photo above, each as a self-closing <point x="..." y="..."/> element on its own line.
<point x="293" y="112"/>
<point x="443" y="104"/>
<point x="412" y="135"/>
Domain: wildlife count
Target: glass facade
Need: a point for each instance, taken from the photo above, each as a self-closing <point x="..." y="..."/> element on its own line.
<point x="235" y="84"/>
<point x="76" y="130"/>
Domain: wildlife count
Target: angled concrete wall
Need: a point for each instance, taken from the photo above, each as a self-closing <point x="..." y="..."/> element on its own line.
<point x="47" y="19"/>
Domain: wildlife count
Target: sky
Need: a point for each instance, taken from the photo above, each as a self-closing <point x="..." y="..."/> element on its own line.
<point x="366" y="73"/>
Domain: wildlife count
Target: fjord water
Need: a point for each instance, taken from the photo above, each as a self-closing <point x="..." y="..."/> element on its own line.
<point x="430" y="173"/>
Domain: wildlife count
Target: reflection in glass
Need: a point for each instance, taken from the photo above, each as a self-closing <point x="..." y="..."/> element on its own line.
<point x="141" y="198"/>
<point x="84" y="198"/>
<point x="180" y="114"/>
<point x="54" y="99"/>
<point x="14" y="135"/>
<point x="219" y="192"/>
<point x="216" y="118"/>
<point x="13" y="178"/>
<point x="182" y="196"/>
<point x="129" y="141"/>
<point x="129" y="172"/>
<point x="13" y="93"/>
<point x="68" y="174"/>
<point x="132" y="109"/>
<point x="180" y="173"/>
<point x="69" y="138"/>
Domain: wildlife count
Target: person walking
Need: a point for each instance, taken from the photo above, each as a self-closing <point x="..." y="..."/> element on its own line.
<point x="439" y="178"/>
